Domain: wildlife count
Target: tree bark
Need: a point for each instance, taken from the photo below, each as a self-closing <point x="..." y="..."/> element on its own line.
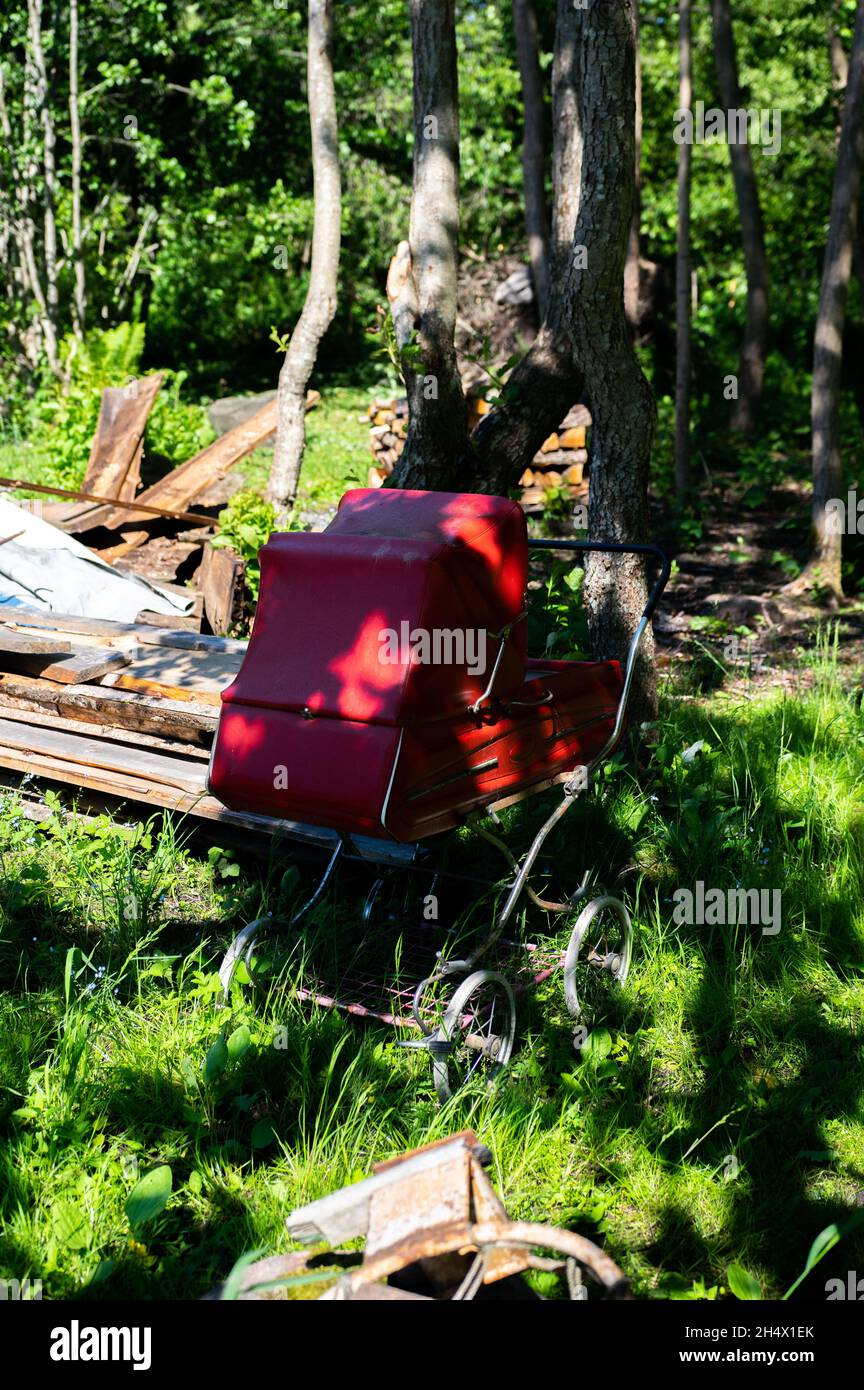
<point x="755" y="343"/>
<point x="79" y="302"/>
<point x="584" y="349"/>
<point x="631" y="269"/>
<point x="682" y="262"/>
<point x="423" y="285"/>
<point x="824" y="568"/>
<point x="567" y="143"/>
<point x="320" y="303"/>
<point x="533" y="152"/>
<point x="617" y="393"/>
<point x="46" y="120"/>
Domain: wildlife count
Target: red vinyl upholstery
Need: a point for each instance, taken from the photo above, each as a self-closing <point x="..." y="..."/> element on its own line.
<point x="316" y="727"/>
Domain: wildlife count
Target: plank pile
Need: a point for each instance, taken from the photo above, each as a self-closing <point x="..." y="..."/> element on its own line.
<point x="126" y="710"/>
<point x="153" y="531"/>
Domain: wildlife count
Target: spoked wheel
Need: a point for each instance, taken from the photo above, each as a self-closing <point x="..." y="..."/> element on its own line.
<point x="478" y="1030"/>
<point x="598" y="956"/>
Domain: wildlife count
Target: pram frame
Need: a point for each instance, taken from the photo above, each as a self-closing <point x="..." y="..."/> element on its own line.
<point x="438" y="1040"/>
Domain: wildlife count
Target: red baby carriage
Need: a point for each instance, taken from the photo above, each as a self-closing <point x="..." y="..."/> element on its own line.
<point x="387" y="696"/>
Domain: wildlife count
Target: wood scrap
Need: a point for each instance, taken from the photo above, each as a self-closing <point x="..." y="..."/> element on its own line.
<point x="16" y="643"/>
<point x="111" y="733"/>
<point x="180" y="487"/>
<point x="192" y="672"/>
<point x="114" y="466"/>
<point x="140" y="504"/>
<point x="186" y="721"/>
<point x="81" y="665"/>
<point x="52" y="747"/>
<point x="112" y="633"/>
<point x="162" y="690"/>
<point x="218" y="579"/>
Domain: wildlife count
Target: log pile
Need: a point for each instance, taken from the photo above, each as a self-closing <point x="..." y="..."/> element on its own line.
<point x="560" y="463"/>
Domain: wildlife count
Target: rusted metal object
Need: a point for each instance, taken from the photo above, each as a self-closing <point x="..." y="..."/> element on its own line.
<point x="436" y="1228"/>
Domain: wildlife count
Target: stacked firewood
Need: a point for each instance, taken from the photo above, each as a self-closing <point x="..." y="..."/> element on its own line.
<point x="386" y="437"/>
<point x="560" y="462"/>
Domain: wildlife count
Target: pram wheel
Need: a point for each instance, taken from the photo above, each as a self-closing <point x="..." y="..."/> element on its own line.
<point x="598" y="955"/>
<point x="479" y="1025"/>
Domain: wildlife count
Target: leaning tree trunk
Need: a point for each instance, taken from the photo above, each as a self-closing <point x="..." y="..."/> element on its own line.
<point x="533" y="161"/>
<point x="320" y="303"/>
<point x="546" y="382"/>
<point x="755" y="344"/>
<point x="422" y="284"/>
<point x="824" y="569"/>
<point x="682" y="262"/>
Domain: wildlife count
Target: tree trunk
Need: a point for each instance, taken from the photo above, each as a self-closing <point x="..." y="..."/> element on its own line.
<point x="824" y="568"/>
<point x="584" y="350"/>
<point x="631" y="269"/>
<point x="754" y="347"/>
<point x="320" y="304"/>
<point x="46" y="120"/>
<point x="567" y="142"/>
<point x="682" y="261"/>
<point x="617" y="393"/>
<point x="79" y="303"/>
<point x="533" y="161"/>
<point x="423" y="284"/>
<point x="547" y="382"/>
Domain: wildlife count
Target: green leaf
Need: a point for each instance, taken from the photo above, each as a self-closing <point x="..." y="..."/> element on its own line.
<point x="149" y="1196"/>
<point x="598" y="1044"/>
<point x="239" y="1043"/>
<point x="742" y="1283"/>
<point x="70" y="1226"/>
<point x="215" y="1061"/>
<point x="263" y="1134"/>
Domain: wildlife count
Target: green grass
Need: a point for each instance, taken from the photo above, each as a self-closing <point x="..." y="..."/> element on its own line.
<point x="337" y="449"/>
<point x="720" y="1122"/>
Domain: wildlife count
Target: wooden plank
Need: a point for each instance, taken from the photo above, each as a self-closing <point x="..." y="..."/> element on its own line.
<point x="84" y="664"/>
<point x="158" y="794"/>
<point x="46" y="720"/>
<point x="95" y="704"/>
<point x="192" y="672"/>
<point x="220" y="573"/>
<point x="167" y="692"/>
<point x="31" y="644"/>
<point x="118" y="443"/>
<point x="183" y="484"/>
<point x="112" y="633"/>
<point x="163" y="769"/>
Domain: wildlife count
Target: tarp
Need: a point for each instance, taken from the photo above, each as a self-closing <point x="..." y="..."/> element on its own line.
<point x="43" y="568"/>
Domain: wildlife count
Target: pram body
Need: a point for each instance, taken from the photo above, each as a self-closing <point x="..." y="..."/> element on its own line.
<point x="387" y="691"/>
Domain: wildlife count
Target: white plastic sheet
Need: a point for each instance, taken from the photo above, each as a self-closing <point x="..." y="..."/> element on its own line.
<point x="43" y="568"/>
